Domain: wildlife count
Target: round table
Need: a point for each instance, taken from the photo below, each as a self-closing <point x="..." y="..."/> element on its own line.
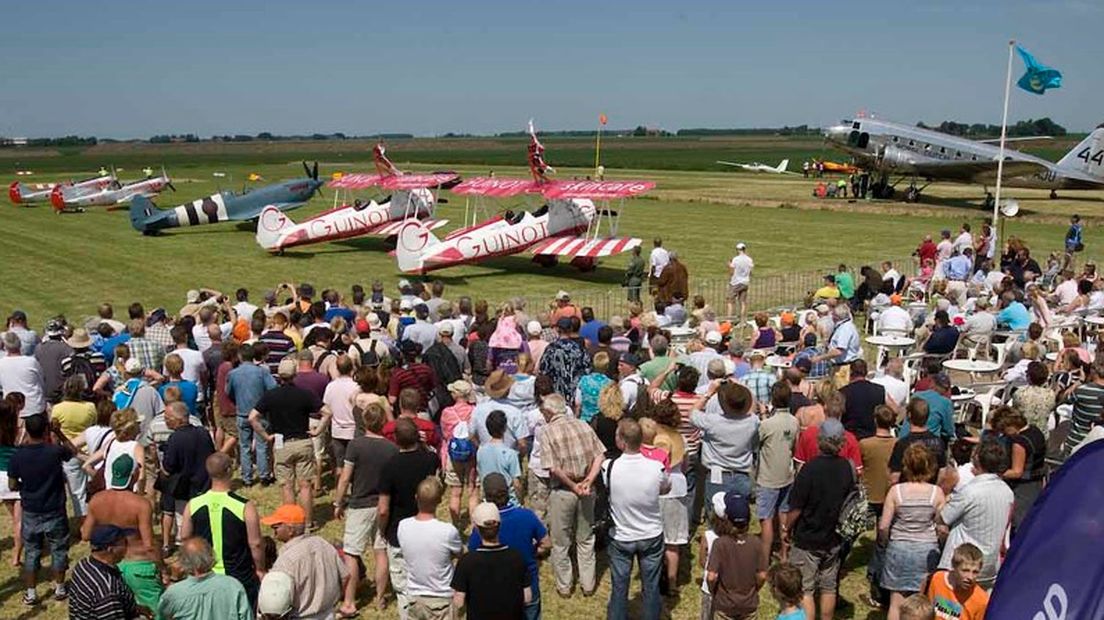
<point x="778" y="363"/>
<point x="1095" y="320"/>
<point x="972" y="366"/>
<point x="892" y="343"/>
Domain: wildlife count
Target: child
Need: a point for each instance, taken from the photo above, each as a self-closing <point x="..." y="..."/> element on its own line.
<point x="717" y="505"/>
<point x="496" y="456"/>
<point x="785" y="585"/>
<point x="955" y="593"/>
<point x="737" y="567"/>
<point x="647" y="446"/>
<point x="916" y="607"/>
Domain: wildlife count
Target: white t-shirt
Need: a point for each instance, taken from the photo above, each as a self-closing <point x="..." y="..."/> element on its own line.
<point x="1066" y="292"/>
<point x="897" y="389"/>
<point x="741" y="265"/>
<point x="245" y="310"/>
<point x="339" y="398"/>
<point x="658" y="259"/>
<point x="203" y="339"/>
<point x="963" y="241"/>
<point x="428" y="548"/>
<point x="634" y="497"/>
<point x="23" y="374"/>
<point x="895" y="318"/>
<point x="945" y="249"/>
<point x="193" y="365"/>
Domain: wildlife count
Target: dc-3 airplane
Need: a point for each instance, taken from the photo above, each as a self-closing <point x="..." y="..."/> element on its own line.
<point x="911" y="152"/>
<point x="148" y="219"/>
<point x="567" y="224"/>
<point x="74" y="200"/>
<point x="758" y="167"/>
<point x="23" y="193"/>
<point x="411" y="197"/>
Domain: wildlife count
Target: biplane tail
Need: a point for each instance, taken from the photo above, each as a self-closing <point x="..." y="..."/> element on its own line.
<point x="271" y="226"/>
<point x="414" y="238"/>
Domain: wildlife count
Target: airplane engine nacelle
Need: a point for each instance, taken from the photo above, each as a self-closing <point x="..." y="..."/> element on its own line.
<point x="895" y="157"/>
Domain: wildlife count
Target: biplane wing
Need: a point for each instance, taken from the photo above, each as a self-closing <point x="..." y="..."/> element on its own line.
<point x="395" y="181"/>
<point x="497" y="187"/>
<point x="595" y="190"/>
<point x="584" y="247"/>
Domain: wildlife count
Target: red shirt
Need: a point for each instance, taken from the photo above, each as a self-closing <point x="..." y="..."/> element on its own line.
<point x="427" y="432"/>
<point x="417" y="375"/>
<point x="807" y="447"/>
<point x="927" y="250"/>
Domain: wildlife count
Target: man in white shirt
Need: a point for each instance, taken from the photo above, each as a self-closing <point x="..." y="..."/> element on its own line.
<point x="740" y="266"/>
<point x="964" y="239"/>
<point x="429" y="547"/>
<point x="1066" y="292"/>
<point x="195" y="370"/>
<point x="891" y="275"/>
<point x="635" y="484"/>
<point x="980" y="325"/>
<point x="893" y="381"/>
<point x="946" y="247"/>
<point x="22" y="373"/>
<point x="244" y="309"/>
<point x="628" y="369"/>
<point x="893" y="318"/>
<point x="657" y="260"/>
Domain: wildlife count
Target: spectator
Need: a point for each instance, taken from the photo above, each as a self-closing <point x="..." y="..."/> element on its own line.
<point x="411" y="374"/>
<point x="777" y="436"/>
<point x="497" y="388"/>
<point x="230" y="524"/>
<point x="36" y="471"/>
<point x="860" y="397"/>
<point x="313" y="564"/>
<point x="337" y="406"/>
<point x="224" y="411"/>
<point x="21" y="373"/>
<point x="940" y="408"/>
<point x="1088" y="405"/>
<point x="978" y="512"/>
<point x="17" y="326"/>
<point x="1027" y="451"/>
<point x="50" y="354"/>
<point x="737" y="565"/>
<point x="75" y="415"/>
<point x="203" y="593"/>
<point x="1036" y="400"/>
<point x="573" y="456"/>
<point x="361" y="470"/>
<point x="956" y="591"/>
<point x="611" y="407"/>
<point x="876" y="452"/>
<point x="398" y="484"/>
<point x="917" y="607"/>
<point x="98" y="589"/>
<point x="245" y="385"/>
<point x="759" y="380"/>
<point x="494" y="581"/>
<point x="189" y="391"/>
<point x="918" y="432"/>
<point x="591" y="385"/>
<point x="456" y="474"/>
<point x="818" y="494"/>
<point x="634" y="485"/>
<point x="495" y="457"/>
<point x="943" y="338"/>
<point x="729" y="440"/>
<point x="785" y="586"/>
<point x="740" y="266"/>
<point x="308" y="378"/>
<point x="565" y="360"/>
<point x="185" y="466"/>
<point x="429" y="547"/>
<point x="907" y="528"/>
<point x="410" y="407"/>
<point x="285" y="412"/>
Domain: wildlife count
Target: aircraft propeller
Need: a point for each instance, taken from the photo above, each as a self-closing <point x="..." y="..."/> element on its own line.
<point x="168" y="181"/>
<point x="313" y="174"/>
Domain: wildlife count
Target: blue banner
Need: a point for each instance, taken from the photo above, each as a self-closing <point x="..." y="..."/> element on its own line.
<point x="1055" y="568"/>
<point x="1037" y="77"/>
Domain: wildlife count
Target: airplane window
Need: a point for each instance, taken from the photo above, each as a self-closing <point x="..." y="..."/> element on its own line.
<point x="942" y="149"/>
<point x="927" y="147"/>
<point x="912" y="143"/>
<point x="958" y="154"/>
<point x="855" y="125"/>
<point x="894" y="139"/>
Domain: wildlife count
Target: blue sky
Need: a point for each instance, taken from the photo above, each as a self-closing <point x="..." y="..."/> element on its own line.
<point x="133" y="69"/>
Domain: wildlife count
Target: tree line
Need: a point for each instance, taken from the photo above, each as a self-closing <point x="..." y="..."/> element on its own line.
<point x="1030" y="127"/>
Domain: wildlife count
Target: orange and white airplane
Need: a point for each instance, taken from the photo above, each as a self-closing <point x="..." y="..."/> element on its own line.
<point x="568" y="224"/>
<point x="30" y="193"/>
<point x="411" y="198"/>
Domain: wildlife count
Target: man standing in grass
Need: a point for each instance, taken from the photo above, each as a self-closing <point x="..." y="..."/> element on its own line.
<point x="740" y="266"/>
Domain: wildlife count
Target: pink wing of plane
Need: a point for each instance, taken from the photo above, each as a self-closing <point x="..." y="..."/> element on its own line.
<point x="595" y="190"/>
<point x="393" y="181"/>
<point x="497" y="187"/>
<point x="582" y="247"/>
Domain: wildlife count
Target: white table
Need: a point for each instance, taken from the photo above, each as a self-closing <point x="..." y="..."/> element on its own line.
<point x="894" y="344"/>
<point x="778" y="363"/>
<point x="972" y="366"/>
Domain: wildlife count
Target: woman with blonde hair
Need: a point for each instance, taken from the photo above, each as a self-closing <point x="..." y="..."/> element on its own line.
<point x="114" y="377"/>
<point x="126" y="426"/>
<point x="591" y="385"/>
<point x="611" y="405"/>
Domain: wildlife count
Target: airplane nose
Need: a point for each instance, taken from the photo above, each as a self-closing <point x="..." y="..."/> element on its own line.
<point x="56" y="199"/>
<point x="837" y="133"/>
<point x="13" y="193"/>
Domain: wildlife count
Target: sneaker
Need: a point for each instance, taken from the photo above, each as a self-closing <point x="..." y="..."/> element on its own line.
<point x="267" y="482"/>
<point x="61" y="592"/>
<point x="30" y="599"/>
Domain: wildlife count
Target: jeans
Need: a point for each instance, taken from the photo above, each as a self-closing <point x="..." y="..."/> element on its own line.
<point x="77" y="481"/>
<point x="51" y="528"/>
<point x="730" y="481"/>
<point x="533" y="609"/>
<point x="246" y="437"/>
<point x="649" y="554"/>
<point x="693" y="463"/>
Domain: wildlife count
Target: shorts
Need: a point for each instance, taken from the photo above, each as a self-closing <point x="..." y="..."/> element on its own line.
<point x="676" y="520"/>
<point x="769" y="502"/>
<point x="142" y="578"/>
<point x="430" y="608"/>
<point x="456" y="474"/>
<point x="318" y="442"/>
<point x="907" y="565"/>
<point x="6" y="494"/>
<point x="295" y="459"/>
<point x="51" y="528"/>
<point x="736" y="291"/>
<point x="228" y="424"/>
<point x="819" y="568"/>
<point x="360" y="529"/>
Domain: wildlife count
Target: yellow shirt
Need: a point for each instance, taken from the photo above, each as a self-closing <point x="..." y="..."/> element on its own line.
<point x="827" y="292"/>
<point x="74" y="416"/>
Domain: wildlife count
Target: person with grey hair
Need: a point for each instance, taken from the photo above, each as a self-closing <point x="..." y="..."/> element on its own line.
<point x="21" y="373"/>
<point x="818" y="494"/>
<point x="203" y="593"/>
<point x="844" y="344"/>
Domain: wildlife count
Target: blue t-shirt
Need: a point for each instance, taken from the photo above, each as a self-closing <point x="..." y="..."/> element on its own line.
<point x="37" y="467"/>
<point x="797" y="614"/>
<point x="496" y="457"/>
<point x="940" y="415"/>
<point x="522" y="531"/>
<point x="108" y="346"/>
<point x="1016" y="316"/>
<point x="589" y="331"/>
<point x="189" y="393"/>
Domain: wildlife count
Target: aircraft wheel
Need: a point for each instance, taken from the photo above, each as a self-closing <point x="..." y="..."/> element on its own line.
<point x="546" y="261"/>
<point x="912" y="195"/>
<point x="584" y="263"/>
<point x="1054" y="194"/>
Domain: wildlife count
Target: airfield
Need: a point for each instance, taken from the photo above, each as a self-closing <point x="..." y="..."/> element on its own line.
<point x="69" y="263"/>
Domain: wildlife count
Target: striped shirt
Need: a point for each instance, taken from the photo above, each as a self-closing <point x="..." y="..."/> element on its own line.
<point x="760" y="381"/>
<point x="97" y="592"/>
<point x="1088" y="407"/>
<point x="690" y="433"/>
<point x="279" y="345"/>
<point x="417" y="375"/>
<point x="161" y="334"/>
<point x="978" y="513"/>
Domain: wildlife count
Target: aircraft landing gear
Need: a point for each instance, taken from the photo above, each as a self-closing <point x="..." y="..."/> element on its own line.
<point x="1054" y="194"/>
<point x="912" y="194"/>
<point x="583" y="263"/>
<point x="989" y="200"/>
<point x="545" y="261"/>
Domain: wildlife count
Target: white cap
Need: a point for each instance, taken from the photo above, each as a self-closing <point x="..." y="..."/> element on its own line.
<point x="562" y="295"/>
<point x="406" y="304"/>
<point x="485" y="514"/>
<point x="533" y="328"/>
<point x="718" y="502"/>
<point x="132" y="366"/>
<point x="445" y="328"/>
<point x="741" y="246"/>
<point x="192" y="296"/>
<point x="276" y="593"/>
<point x="713" y="337"/>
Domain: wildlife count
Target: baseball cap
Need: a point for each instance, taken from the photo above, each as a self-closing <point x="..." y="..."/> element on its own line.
<point x="741" y="246"/>
<point x="485" y="514"/>
<point x="156" y="316"/>
<point x="405" y="304"/>
<point x="736" y="509"/>
<point x="132" y="366"/>
<point x="287" y="368"/>
<point x="831" y="428"/>
<point x="564" y="323"/>
<point x="103" y="536"/>
<point x="822" y="308"/>
<point x="713" y="337"/>
<point x="55" y="327"/>
<point x="562" y="296"/>
<point x="533" y="328"/>
<point x="291" y="514"/>
<point x="192" y="296"/>
<point x="121" y="470"/>
<point x="445" y="329"/>
<point x="630" y="359"/>
<point x="757" y="353"/>
<point x="276" y="593"/>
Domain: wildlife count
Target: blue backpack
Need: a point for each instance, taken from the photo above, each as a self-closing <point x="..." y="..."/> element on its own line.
<point x="460" y="447"/>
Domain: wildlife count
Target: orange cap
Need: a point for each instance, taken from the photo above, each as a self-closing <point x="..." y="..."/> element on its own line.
<point x="725" y="328"/>
<point x="291" y="514"/>
<point x="242" y="331"/>
<point x="895" y="299"/>
<point x="787" y="318"/>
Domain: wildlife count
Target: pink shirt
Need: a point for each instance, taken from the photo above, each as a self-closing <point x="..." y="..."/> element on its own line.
<point x="450" y="417"/>
<point x="656" y="454"/>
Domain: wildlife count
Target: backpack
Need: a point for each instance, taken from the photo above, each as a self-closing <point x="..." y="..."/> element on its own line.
<point x="81" y="365"/>
<point x="367" y="358"/>
<point x="603" y="514"/>
<point x="321" y="359"/>
<point x="855" y="517"/>
<point x="124" y="396"/>
<point x="460" y="447"/>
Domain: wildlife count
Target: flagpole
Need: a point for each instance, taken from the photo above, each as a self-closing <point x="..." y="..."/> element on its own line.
<point x="1004" y="133"/>
<point x="597" y="149"/>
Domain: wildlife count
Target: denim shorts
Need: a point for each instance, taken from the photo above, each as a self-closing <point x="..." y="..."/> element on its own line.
<point x="51" y="528"/>
<point x="769" y="502"/>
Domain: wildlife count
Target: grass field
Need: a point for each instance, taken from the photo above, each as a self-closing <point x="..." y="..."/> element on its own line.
<point x="68" y="264"/>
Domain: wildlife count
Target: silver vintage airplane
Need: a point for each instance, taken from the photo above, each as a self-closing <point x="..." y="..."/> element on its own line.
<point x="895" y="150"/>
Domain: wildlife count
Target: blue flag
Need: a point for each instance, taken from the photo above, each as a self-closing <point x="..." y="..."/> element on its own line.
<point x="1053" y="570"/>
<point x="1038" y="77"/>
